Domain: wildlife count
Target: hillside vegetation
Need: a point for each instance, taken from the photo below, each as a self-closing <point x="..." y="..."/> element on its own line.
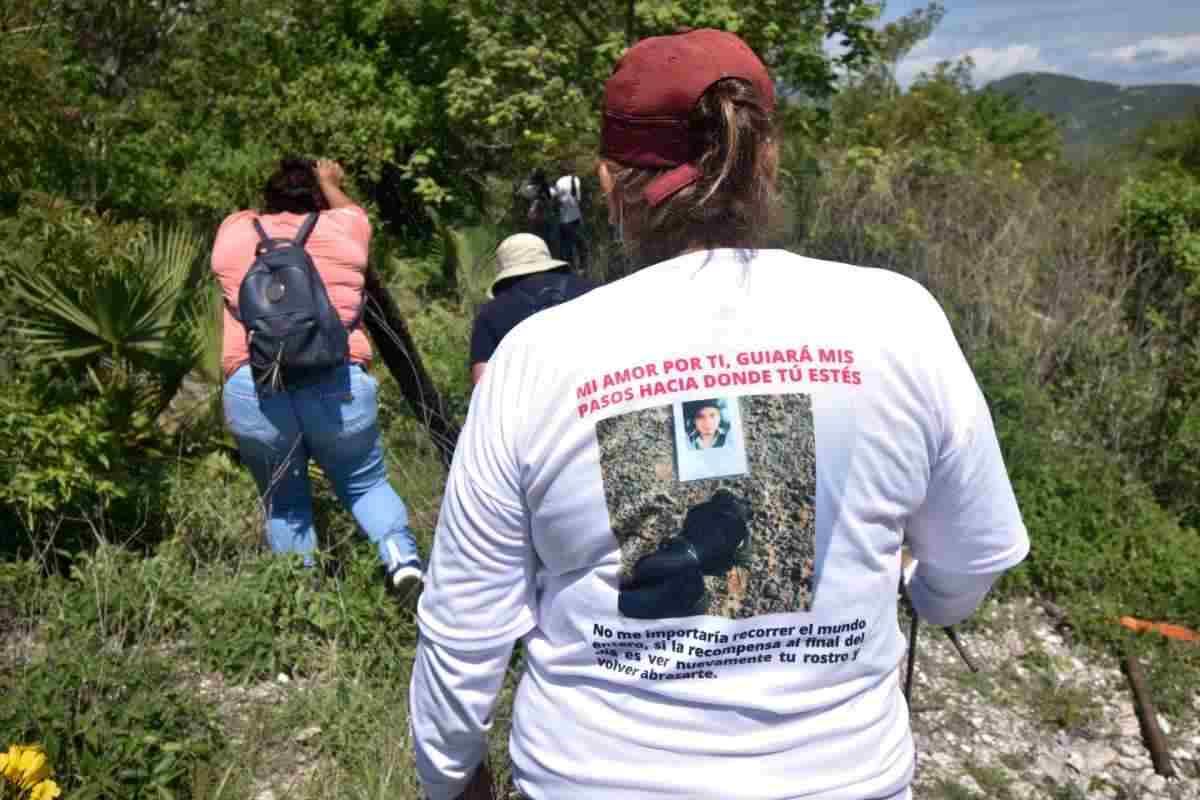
<point x="1094" y="115"/>
<point x="136" y="602"/>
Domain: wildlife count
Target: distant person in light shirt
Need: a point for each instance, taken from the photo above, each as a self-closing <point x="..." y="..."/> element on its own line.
<point x="568" y="192"/>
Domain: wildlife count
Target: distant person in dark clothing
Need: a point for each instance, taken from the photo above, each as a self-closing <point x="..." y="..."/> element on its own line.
<point x="527" y="281"/>
<point x="543" y="214"/>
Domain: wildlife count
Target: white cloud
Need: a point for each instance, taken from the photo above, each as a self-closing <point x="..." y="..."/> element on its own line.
<point x="990" y="62"/>
<point x="1156" y="51"/>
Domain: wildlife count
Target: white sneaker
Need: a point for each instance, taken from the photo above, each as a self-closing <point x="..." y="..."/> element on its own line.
<point x="406" y="581"/>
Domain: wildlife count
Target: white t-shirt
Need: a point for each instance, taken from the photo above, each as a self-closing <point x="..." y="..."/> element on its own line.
<point x="567" y="191"/>
<point x="712" y="622"/>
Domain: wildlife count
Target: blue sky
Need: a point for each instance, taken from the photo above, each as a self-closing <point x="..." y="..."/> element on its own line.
<point x="1123" y="41"/>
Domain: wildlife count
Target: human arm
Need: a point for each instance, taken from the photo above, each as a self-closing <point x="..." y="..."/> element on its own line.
<point x="968" y="530"/>
<point x="483" y="343"/>
<point x="947" y="598"/>
<point x="329" y="178"/>
<point x="451" y="700"/>
<point x="479" y="595"/>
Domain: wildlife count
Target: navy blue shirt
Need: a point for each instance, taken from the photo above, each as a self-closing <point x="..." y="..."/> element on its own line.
<point x="517" y="301"/>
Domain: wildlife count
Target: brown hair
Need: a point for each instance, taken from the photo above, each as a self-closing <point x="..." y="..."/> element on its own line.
<point x="293" y="187"/>
<point x="733" y="202"/>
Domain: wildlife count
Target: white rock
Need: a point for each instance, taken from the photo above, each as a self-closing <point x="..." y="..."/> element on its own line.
<point x="1155" y="783"/>
<point x="1130" y="748"/>
<point x="307" y="733"/>
<point x="1131" y="763"/>
<point x="282" y="678"/>
<point x="1091" y="758"/>
<point x="1164" y="725"/>
<point x="970" y="784"/>
<point x="1050" y="766"/>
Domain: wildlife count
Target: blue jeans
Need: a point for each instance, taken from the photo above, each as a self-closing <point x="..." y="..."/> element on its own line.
<point x="334" y="423"/>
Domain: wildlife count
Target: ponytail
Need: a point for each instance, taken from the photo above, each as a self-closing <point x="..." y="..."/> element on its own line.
<point x="732" y="204"/>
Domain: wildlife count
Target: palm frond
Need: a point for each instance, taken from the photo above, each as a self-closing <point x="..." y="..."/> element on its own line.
<point x="125" y="311"/>
<point x="471" y="251"/>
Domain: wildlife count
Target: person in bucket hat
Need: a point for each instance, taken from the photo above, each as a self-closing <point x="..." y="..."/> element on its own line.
<point x="733" y="637"/>
<point x="527" y="281"/>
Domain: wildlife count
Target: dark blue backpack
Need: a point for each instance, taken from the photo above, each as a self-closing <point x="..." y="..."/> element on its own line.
<point x="293" y="332"/>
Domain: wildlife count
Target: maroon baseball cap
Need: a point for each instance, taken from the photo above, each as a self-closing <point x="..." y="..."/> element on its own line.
<point x="652" y="92"/>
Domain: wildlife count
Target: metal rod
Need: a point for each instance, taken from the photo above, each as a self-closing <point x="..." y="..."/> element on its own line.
<point x="958" y="645"/>
<point x="912" y="659"/>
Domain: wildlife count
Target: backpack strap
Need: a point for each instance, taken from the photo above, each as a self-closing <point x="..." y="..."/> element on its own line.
<point x="306" y="228"/>
<point x="262" y="233"/>
<point x="556" y="291"/>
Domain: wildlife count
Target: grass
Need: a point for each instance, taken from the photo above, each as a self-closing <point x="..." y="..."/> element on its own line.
<point x="946" y="789"/>
<point x="994" y="781"/>
<point x="157" y="672"/>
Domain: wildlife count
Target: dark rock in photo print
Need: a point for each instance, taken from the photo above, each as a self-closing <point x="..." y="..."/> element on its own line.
<point x="735" y="546"/>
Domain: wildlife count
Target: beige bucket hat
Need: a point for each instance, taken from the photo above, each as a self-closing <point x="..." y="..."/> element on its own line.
<point x="522" y="254"/>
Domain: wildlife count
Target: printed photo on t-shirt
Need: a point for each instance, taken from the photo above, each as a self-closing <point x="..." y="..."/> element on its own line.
<point x="735" y="543"/>
<point x="708" y="439"/>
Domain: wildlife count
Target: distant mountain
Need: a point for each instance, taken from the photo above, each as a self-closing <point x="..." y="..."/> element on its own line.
<point x="1093" y="114"/>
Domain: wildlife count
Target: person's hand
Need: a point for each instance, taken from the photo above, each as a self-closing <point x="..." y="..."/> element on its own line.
<point x="480" y="787"/>
<point x="330" y="172"/>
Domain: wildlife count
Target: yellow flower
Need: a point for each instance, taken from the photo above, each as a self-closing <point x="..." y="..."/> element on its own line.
<point x="10" y="763"/>
<point x="34" y="768"/>
<point x="46" y="790"/>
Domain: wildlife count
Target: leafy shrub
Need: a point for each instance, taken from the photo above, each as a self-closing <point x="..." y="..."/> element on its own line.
<point x="115" y="725"/>
<point x="213" y="512"/>
<point x="444" y="336"/>
<point x="273" y="615"/>
<point x="63" y="469"/>
<point x="1101" y="543"/>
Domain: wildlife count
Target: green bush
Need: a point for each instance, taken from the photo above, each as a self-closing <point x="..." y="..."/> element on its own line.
<point x="1101" y="543"/>
<point x="64" y="472"/>
<point x="115" y="725"/>
<point x="444" y="337"/>
<point x="272" y="615"/>
<point x="213" y="512"/>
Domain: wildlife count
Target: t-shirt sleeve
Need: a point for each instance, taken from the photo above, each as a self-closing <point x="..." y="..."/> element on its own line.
<point x="229" y="253"/>
<point x="480" y="585"/>
<point x="969" y="522"/>
<point x="483" y="339"/>
<point x="354" y="221"/>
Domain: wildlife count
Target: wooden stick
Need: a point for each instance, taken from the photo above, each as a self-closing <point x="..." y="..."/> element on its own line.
<point x="1152" y="735"/>
<point x="395" y="344"/>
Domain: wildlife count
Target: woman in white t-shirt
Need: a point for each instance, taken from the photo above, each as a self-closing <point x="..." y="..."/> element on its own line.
<point x="717" y="622"/>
